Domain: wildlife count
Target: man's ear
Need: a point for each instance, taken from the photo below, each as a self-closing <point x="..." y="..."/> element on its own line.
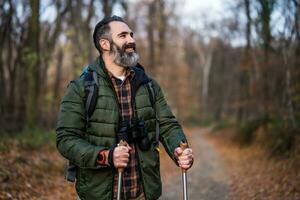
<point x="105" y="45"/>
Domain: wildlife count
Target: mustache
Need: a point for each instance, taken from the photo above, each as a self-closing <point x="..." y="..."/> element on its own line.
<point x="129" y="45"/>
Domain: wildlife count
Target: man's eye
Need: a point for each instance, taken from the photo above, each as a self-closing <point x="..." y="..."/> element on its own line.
<point x="122" y="36"/>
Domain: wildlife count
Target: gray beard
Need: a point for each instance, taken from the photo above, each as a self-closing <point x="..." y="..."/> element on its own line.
<point x="122" y="58"/>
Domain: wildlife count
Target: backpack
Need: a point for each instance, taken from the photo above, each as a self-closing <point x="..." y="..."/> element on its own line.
<point x="91" y="93"/>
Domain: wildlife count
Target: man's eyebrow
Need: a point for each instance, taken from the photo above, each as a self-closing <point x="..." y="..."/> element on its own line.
<point x="125" y="32"/>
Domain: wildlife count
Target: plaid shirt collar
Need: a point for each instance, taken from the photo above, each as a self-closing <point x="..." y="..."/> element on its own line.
<point x="129" y="73"/>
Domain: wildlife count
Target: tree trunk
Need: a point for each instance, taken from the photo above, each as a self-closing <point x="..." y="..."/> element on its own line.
<point x="245" y="70"/>
<point x="294" y="106"/>
<point x="248" y="25"/>
<point x="31" y="62"/>
<point x="265" y="19"/>
<point x="206" y="73"/>
<point x="124" y="5"/>
<point x="107" y="6"/>
<point x="3" y="90"/>
<point x="7" y="83"/>
<point x="56" y="84"/>
<point x="161" y="32"/>
<point x="151" y="41"/>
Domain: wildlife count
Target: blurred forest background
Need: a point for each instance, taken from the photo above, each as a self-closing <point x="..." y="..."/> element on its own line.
<point x="238" y="72"/>
<point x="241" y="69"/>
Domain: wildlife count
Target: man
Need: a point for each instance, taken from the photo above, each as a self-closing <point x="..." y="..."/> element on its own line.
<point x="123" y="112"/>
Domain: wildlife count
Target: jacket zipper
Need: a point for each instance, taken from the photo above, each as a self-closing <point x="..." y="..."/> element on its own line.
<point x="118" y="106"/>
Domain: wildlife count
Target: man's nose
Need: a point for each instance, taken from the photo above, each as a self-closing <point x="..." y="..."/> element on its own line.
<point x="130" y="39"/>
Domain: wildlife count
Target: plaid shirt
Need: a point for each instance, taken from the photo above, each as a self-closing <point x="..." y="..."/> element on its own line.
<point x="131" y="187"/>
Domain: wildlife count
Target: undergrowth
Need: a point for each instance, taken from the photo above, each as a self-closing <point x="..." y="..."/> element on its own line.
<point x="31" y="139"/>
<point x="278" y="133"/>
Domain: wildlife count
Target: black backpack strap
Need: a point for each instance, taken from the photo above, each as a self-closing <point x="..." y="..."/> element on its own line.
<point x="91" y="93"/>
<point x="152" y="97"/>
<point x="151" y="93"/>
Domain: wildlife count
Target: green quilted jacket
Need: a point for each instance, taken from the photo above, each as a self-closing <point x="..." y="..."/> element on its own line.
<point x="80" y="142"/>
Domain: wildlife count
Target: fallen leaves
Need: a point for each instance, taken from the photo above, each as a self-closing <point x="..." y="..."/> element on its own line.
<point x="33" y="174"/>
<point x="256" y="175"/>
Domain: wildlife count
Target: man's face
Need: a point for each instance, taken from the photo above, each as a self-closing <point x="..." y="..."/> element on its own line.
<point x="122" y="45"/>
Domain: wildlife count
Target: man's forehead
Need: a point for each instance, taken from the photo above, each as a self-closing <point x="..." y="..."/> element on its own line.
<point x="117" y="27"/>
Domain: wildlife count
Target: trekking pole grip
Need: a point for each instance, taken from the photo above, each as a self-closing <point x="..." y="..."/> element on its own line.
<point x="122" y="143"/>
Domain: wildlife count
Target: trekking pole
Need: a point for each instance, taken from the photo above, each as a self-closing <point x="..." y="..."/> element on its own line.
<point x="183" y="146"/>
<point x="120" y="172"/>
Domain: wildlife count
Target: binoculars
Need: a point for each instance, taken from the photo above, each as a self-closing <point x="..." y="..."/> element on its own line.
<point x="136" y="132"/>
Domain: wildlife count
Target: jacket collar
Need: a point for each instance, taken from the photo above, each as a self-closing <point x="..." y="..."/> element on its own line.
<point x="98" y="66"/>
<point x="139" y="78"/>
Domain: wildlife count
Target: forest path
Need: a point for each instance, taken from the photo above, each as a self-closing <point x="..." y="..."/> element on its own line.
<point x="207" y="179"/>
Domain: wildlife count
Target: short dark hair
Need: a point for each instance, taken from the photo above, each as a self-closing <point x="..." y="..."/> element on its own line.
<point x="102" y="28"/>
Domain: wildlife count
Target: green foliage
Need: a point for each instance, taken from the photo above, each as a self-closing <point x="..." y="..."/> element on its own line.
<point x="222" y="124"/>
<point x="248" y="128"/>
<point x="195" y="119"/>
<point x="30" y="58"/>
<point x="278" y="133"/>
<point x="205" y="121"/>
<point x="297" y="125"/>
<point x="31" y="139"/>
<point x="281" y="134"/>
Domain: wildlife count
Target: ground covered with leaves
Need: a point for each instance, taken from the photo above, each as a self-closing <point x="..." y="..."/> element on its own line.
<point x="257" y="174"/>
<point x="31" y="168"/>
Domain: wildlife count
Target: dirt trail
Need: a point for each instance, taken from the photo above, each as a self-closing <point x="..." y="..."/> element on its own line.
<point x="206" y="180"/>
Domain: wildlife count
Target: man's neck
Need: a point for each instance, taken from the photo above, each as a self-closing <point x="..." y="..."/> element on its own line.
<point x="115" y="69"/>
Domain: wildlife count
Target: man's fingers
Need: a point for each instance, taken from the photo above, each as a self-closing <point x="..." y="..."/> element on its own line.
<point x="121" y="156"/>
<point x="186" y="157"/>
<point x="178" y="151"/>
<point x="187" y="151"/>
<point x="124" y="155"/>
<point x="181" y="152"/>
<point x="184" y="162"/>
<point x="119" y="159"/>
<point x="120" y="165"/>
<point x="122" y="162"/>
<point x="124" y="159"/>
<point x="123" y="148"/>
<point x="129" y="147"/>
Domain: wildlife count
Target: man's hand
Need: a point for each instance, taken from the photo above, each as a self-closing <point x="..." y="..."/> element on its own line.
<point x="185" y="158"/>
<point x="121" y="156"/>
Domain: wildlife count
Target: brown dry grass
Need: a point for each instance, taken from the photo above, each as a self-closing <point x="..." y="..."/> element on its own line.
<point x="38" y="174"/>
<point x="254" y="173"/>
<point x="33" y="174"/>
